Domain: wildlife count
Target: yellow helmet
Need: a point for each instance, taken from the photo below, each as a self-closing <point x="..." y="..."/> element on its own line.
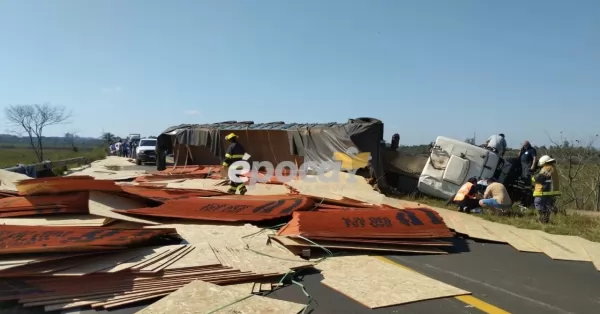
<point x="230" y="136"/>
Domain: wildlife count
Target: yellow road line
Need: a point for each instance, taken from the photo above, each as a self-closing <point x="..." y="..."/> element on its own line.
<point x="468" y="299"/>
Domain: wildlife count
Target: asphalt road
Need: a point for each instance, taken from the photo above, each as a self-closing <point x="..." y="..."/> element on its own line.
<point x="496" y="274"/>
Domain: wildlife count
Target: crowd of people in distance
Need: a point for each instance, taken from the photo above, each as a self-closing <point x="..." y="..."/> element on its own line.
<point x="123" y="149"/>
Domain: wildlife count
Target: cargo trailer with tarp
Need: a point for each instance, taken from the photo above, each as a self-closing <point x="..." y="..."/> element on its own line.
<point x="354" y="145"/>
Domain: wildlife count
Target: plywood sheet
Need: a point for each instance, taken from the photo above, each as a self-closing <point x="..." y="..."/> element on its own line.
<point x="148" y="254"/>
<point x="593" y="251"/>
<point x="476" y="228"/>
<point x="371" y="197"/>
<point x="447" y="216"/>
<point x="291" y="242"/>
<point x="455" y="219"/>
<point x="554" y="247"/>
<point x="167" y="261"/>
<point x="200" y="297"/>
<point x="242" y="247"/>
<point x="202" y="184"/>
<point x="571" y="244"/>
<point x="102" y="204"/>
<point x="201" y="256"/>
<point x="510" y="235"/>
<point x="103" y="262"/>
<point x="376" y="284"/>
<point x="62" y="220"/>
<point x="8" y="180"/>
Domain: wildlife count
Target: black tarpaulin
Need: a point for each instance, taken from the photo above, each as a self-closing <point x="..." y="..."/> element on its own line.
<point x="357" y="143"/>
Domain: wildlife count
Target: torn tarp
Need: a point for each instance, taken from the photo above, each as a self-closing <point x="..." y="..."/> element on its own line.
<point x="352" y="146"/>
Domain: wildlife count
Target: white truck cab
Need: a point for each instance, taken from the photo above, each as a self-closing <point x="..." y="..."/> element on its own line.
<point x="452" y="162"/>
<point x="146" y="151"/>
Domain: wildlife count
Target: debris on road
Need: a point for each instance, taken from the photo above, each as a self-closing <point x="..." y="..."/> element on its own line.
<point x="71" y="203"/>
<point x="78" y="241"/>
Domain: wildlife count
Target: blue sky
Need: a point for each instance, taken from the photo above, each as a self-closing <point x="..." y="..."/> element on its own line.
<point x="426" y="68"/>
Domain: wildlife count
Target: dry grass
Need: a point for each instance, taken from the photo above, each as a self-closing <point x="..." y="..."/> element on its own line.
<point x="573" y="223"/>
<point x="10" y="157"/>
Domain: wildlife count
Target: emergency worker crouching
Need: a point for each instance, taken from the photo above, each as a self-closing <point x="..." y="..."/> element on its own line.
<point x="235" y="152"/>
<point x="466" y="197"/>
<point x="546" y="188"/>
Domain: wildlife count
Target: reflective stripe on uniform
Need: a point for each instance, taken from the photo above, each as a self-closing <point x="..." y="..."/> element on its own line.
<point x="225" y="164"/>
<point x="234" y="156"/>
<point x="551" y="193"/>
<point x="544" y="193"/>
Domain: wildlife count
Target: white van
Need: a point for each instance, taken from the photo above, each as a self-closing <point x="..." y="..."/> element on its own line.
<point x="452" y="162"/>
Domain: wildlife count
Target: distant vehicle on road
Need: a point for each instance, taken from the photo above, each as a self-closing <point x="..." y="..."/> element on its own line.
<point x="146" y="151"/>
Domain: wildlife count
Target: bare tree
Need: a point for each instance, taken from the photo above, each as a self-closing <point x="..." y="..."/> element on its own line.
<point x="470" y="140"/>
<point x="33" y="119"/>
<point x="71" y="137"/>
<point x="579" y="171"/>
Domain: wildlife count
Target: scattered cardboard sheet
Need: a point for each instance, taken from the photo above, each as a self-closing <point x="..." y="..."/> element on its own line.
<point x="102" y="204"/>
<point x="375" y="283"/>
<point x="200" y="297"/>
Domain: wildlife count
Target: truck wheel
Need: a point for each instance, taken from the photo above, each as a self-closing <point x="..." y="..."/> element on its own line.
<point x="138" y="162"/>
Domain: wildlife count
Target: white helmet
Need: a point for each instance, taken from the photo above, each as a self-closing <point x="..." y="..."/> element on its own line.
<point x="544" y="160"/>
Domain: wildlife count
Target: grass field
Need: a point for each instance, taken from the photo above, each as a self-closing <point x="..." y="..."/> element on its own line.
<point x="574" y="223"/>
<point x="10" y="157"/>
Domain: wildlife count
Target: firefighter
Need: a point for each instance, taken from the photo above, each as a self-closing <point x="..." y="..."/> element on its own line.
<point x="546" y="188"/>
<point x="466" y="197"/>
<point x="235" y="152"/>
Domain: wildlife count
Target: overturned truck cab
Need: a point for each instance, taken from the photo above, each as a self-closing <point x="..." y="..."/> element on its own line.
<point x="452" y="162"/>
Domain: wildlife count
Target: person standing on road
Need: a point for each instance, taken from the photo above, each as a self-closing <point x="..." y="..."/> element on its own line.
<point x="119" y="147"/>
<point x="126" y="149"/>
<point x="546" y="188"/>
<point x="497" y="143"/>
<point x="133" y="148"/>
<point x="528" y="157"/>
<point x="235" y="152"/>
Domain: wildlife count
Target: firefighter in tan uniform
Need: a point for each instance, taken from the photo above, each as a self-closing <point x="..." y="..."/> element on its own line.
<point x="546" y="188"/>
